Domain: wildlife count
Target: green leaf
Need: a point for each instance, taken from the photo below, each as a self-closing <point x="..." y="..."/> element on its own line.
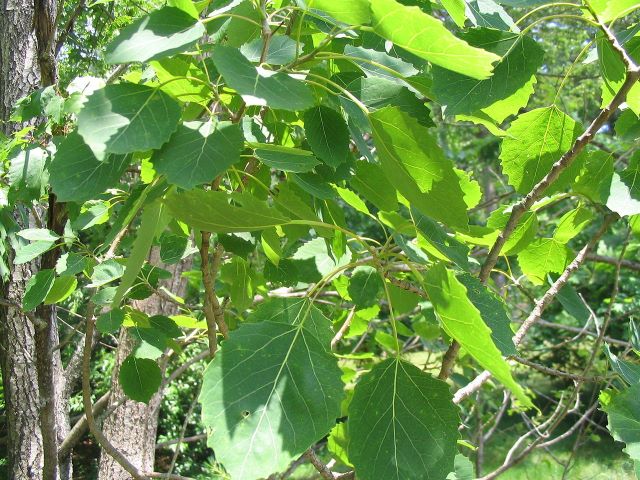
<point x="372" y="62"/>
<point x="452" y="249"/>
<point x="70" y="264"/>
<point x="62" y="287"/>
<point x="456" y="9"/>
<point x="280" y="51"/>
<point x="150" y="219"/>
<point x="364" y="286"/>
<point x="198" y="152"/>
<point x="370" y="182"/>
<point x="211" y="211"/>
<point x="629" y="372"/>
<point x="543" y="256"/>
<point x="38" y="234"/>
<point x="623" y="410"/>
<point x="237" y="274"/>
<point x="534" y="142"/>
<point x="173" y="248"/>
<point x="463" y="469"/>
<point x="327" y="134"/>
<point x="270" y="393"/>
<point x="139" y="378"/>
<point x="493" y="312"/>
<point x="295" y="311"/>
<point x="572" y="223"/>
<point x="125" y="118"/>
<point x="402" y="424"/>
<point x="258" y="86"/>
<point x="26" y="253"/>
<point x="426" y="37"/>
<point x="523" y="234"/>
<point x="77" y="175"/>
<point x="110" y="321"/>
<point x="614" y="70"/>
<point x="37" y="289"/>
<point x="608" y="10"/>
<point x="106" y="272"/>
<point x="502" y="94"/>
<point x="487" y="13"/>
<point x="171" y="73"/>
<point x="415" y="165"/>
<point x="353" y="12"/>
<point x="27" y="174"/>
<point x="463" y="322"/>
<point x="285" y="158"/>
<point x="163" y="32"/>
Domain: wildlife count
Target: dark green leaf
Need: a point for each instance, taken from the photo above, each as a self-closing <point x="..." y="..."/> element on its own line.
<point x="402" y="424"/>
<point x="452" y="249"/>
<point x="364" y="286"/>
<point x="285" y="158"/>
<point x="125" y="118"/>
<point x="258" y="86"/>
<point x="271" y="392"/>
<point x="140" y="378"/>
<point x="77" y="175"/>
<point x="110" y="321"/>
<point x="37" y="289"/>
<point x="163" y="32"/>
<point x="198" y="152"/>
<point x="328" y="135"/>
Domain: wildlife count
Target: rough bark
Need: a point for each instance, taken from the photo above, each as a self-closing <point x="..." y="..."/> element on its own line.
<point x="19" y="75"/>
<point x="132" y="427"/>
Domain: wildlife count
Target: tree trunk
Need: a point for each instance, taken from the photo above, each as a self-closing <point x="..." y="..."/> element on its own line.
<point x="19" y="75"/>
<point x="37" y="417"/>
<point x="132" y="427"/>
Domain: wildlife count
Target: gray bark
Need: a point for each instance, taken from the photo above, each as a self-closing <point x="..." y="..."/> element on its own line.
<point x="19" y="75"/>
<point x="132" y="427"/>
<point x="37" y="417"/>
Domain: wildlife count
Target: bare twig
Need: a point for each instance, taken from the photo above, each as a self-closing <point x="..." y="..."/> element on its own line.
<point x="343" y="328"/>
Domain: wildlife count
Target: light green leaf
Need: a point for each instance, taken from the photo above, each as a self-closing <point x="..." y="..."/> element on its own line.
<point x="415" y="165"/>
<point x="426" y="37"/>
<point x="456" y="9"/>
<point x="492" y="311"/>
<point x="543" y="256"/>
<point x="106" y="272"/>
<point x="163" y="32"/>
<point x="271" y="392"/>
<point x="26" y="253"/>
<point x="463" y="322"/>
<point x="353" y="200"/>
<point x="534" y="142"/>
<point x="62" y="287"/>
<point x="327" y="134"/>
<point x="353" y="12"/>
<point x="38" y="234"/>
<point x="150" y="219"/>
<point x="125" y="118"/>
<point x="506" y="91"/>
<point x="211" y="211"/>
<point x="364" y="286"/>
<point x="171" y="73"/>
<point x="37" y="289"/>
<point x="614" y="70"/>
<point x="370" y="182"/>
<point x="198" y="152"/>
<point x="572" y="223"/>
<point x="77" y="175"/>
<point x="402" y="424"/>
<point x="608" y="10"/>
<point x="139" y="378"/>
<point x="523" y="234"/>
<point x="258" y="86"/>
<point x="27" y="174"/>
<point x="285" y="158"/>
<point x="463" y="469"/>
